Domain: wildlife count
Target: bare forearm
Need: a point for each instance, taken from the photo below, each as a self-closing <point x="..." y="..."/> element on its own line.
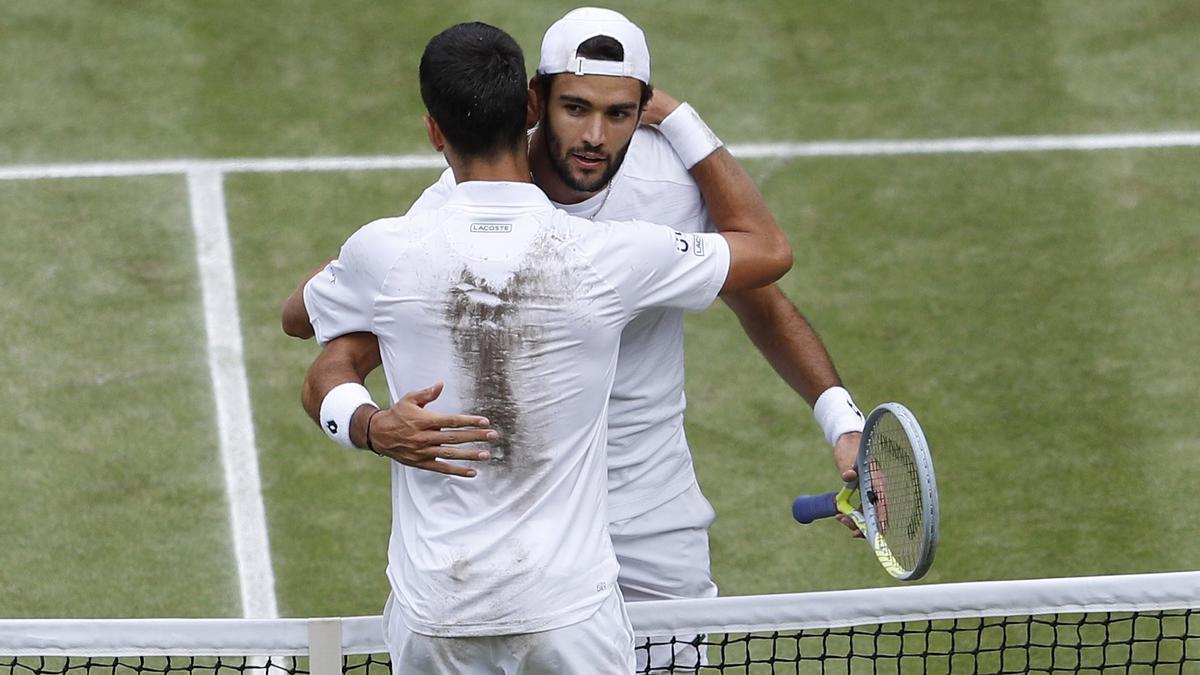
<point x="786" y="340"/>
<point x="404" y="431"/>
<point x="349" y="358"/>
<point x="731" y="197"/>
<point x="796" y="352"/>
<point x="760" y="252"/>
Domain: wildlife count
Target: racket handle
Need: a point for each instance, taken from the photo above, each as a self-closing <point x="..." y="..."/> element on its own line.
<point x="808" y="508"/>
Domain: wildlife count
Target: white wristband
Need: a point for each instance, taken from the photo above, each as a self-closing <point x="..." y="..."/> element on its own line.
<point x="688" y="135"/>
<point x="836" y="413"/>
<point x="337" y="408"/>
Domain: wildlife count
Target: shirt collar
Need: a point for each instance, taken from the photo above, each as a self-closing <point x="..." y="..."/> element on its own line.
<point x="497" y="193"/>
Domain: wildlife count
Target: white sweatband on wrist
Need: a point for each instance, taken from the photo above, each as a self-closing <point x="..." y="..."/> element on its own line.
<point x="688" y="135"/>
<point x="836" y="414"/>
<point x="337" y="408"/>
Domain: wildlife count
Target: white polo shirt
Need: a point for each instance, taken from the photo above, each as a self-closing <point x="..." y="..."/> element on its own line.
<point x="519" y="308"/>
<point x="649" y="462"/>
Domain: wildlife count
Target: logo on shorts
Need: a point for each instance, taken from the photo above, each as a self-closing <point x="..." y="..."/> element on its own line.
<point x="491" y="228"/>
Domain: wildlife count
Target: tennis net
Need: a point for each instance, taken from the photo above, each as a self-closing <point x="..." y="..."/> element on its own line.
<point x="1114" y="624"/>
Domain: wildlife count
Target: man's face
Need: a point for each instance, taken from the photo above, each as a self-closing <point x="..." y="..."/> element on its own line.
<point x="589" y="121"/>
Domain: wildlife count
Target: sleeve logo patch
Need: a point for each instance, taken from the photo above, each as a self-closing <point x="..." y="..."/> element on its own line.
<point x="681" y="243"/>
<point x="491" y="228"/>
<point x="697" y="245"/>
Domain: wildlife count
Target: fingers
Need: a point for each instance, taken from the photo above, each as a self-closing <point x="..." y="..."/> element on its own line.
<point x="424" y="455"/>
<point x="432" y="459"/>
<point x="849" y="476"/>
<point x="442" y="467"/>
<point x="845" y="520"/>
<point x="460" y="436"/>
<point x="423" y="397"/>
<point x="434" y="421"/>
<point x="444" y="452"/>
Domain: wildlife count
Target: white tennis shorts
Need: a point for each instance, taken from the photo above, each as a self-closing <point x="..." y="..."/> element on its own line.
<point x="599" y="645"/>
<point x="664" y="556"/>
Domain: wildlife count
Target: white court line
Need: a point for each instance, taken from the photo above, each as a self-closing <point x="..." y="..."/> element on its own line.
<point x="239" y="455"/>
<point x="1166" y="139"/>
<point x="1170" y="139"/>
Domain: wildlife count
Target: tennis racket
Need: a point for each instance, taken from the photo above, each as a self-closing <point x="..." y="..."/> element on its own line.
<point x="894" y="501"/>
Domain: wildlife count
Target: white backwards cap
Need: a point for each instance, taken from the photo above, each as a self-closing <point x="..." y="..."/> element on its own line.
<point x="562" y="40"/>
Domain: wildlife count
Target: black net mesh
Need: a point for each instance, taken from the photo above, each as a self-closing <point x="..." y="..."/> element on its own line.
<point x="1143" y="642"/>
<point x="1147" y="642"/>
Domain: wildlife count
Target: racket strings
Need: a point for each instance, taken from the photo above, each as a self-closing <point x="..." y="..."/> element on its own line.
<point x="895" y="491"/>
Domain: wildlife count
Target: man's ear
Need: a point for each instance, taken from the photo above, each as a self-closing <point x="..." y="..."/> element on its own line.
<point x="434" y="132"/>
<point x="533" y="109"/>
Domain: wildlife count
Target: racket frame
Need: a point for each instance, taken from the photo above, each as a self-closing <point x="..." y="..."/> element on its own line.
<point x="927" y="486"/>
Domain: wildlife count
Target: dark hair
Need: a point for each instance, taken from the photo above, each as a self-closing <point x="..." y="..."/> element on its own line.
<point x="599" y="48"/>
<point x="473" y="85"/>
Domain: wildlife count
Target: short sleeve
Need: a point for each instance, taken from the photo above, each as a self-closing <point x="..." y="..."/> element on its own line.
<point x="340" y="299"/>
<point x="435" y="195"/>
<point x="660" y="267"/>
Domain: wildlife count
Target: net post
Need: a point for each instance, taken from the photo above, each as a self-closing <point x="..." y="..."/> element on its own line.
<point x="325" y="646"/>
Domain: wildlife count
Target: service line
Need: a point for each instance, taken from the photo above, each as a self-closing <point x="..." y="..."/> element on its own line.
<point x="969" y="145"/>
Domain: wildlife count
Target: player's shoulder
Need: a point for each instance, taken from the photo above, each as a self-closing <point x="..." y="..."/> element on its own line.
<point x="652" y="159"/>
<point x="381" y="227"/>
<point x="382" y="232"/>
<point x="597" y="236"/>
<point x="435" y="195"/>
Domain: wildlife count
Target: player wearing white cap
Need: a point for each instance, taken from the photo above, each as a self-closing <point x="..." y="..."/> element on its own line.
<point x="520" y="307"/>
<point x="589" y="155"/>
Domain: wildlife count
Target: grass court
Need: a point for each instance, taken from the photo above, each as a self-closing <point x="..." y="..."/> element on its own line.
<point x="1037" y="309"/>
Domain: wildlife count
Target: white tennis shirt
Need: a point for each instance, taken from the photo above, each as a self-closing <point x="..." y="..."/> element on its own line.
<point x="649" y="462"/>
<point x="519" y="308"/>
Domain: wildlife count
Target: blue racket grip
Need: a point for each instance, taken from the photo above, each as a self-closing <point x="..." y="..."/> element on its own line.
<point x="808" y="508"/>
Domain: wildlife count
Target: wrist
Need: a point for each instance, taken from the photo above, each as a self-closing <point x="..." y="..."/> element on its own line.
<point x="360" y="427"/>
<point x="688" y="135"/>
<point x="837" y="414"/>
<point x="340" y="408"/>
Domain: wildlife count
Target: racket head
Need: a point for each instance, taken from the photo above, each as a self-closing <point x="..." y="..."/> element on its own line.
<point x="898" y="491"/>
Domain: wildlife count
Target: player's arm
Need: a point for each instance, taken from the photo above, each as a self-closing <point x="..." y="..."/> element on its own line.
<point x="406" y="431"/>
<point x="759" y="251"/>
<point x="781" y="333"/>
<point x="295" y="314"/>
<point x="796" y="352"/>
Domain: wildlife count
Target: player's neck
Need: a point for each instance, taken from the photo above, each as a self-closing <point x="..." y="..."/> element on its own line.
<point x="512" y="167"/>
<point x="545" y="175"/>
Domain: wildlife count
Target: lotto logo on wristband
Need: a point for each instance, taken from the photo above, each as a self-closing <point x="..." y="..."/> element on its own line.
<point x="332" y="426"/>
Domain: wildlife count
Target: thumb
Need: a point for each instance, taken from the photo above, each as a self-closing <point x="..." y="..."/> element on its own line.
<point x="423" y="397"/>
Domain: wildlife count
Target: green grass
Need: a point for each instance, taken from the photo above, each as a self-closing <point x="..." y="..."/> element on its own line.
<point x="329" y="508"/>
<point x="1036" y="310"/>
<point x="1031" y="319"/>
<point x="112" y="497"/>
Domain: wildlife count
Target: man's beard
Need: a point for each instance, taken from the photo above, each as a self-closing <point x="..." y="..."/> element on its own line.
<point x="560" y="160"/>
